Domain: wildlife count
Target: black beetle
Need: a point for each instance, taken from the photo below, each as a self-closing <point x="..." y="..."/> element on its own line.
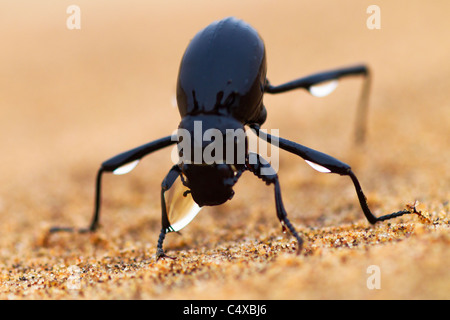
<point x="221" y="83"/>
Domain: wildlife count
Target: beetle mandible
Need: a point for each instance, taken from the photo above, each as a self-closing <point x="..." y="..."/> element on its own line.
<point x="221" y="83"/>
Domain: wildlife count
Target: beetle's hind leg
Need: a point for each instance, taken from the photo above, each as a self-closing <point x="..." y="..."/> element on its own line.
<point x="263" y="170"/>
<point x="310" y="82"/>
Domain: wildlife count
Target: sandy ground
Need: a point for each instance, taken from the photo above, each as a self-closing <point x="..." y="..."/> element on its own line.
<point x="69" y="99"/>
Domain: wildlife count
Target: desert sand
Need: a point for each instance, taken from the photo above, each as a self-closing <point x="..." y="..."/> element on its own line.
<point x="70" y="99"/>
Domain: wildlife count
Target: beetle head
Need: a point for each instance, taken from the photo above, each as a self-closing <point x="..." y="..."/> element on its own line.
<point x="212" y="152"/>
<point x="210" y="184"/>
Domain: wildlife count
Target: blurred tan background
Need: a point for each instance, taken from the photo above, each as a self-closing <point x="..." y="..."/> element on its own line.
<point x="70" y="99"/>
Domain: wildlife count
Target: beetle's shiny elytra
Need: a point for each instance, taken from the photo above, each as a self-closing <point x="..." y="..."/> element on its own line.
<point x="221" y="83"/>
<point x="223" y="72"/>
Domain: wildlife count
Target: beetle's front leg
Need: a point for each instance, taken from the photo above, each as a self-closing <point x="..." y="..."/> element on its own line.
<point x="165" y="185"/>
<point x="263" y="170"/>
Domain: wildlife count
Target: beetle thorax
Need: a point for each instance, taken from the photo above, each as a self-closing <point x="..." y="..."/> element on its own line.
<point x="211" y="139"/>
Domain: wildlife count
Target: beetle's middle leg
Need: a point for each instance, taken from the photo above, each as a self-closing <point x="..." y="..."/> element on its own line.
<point x="111" y="165"/>
<point x="327" y="164"/>
<point x="263" y="170"/>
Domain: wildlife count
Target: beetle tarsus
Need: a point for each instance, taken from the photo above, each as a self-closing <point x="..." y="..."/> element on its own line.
<point x="61" y="229"/>
<point x="393" y="215"/>
<point x="72" y="230"/>
<point x="160" y="254"/>
<point x="410" y="209"/>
